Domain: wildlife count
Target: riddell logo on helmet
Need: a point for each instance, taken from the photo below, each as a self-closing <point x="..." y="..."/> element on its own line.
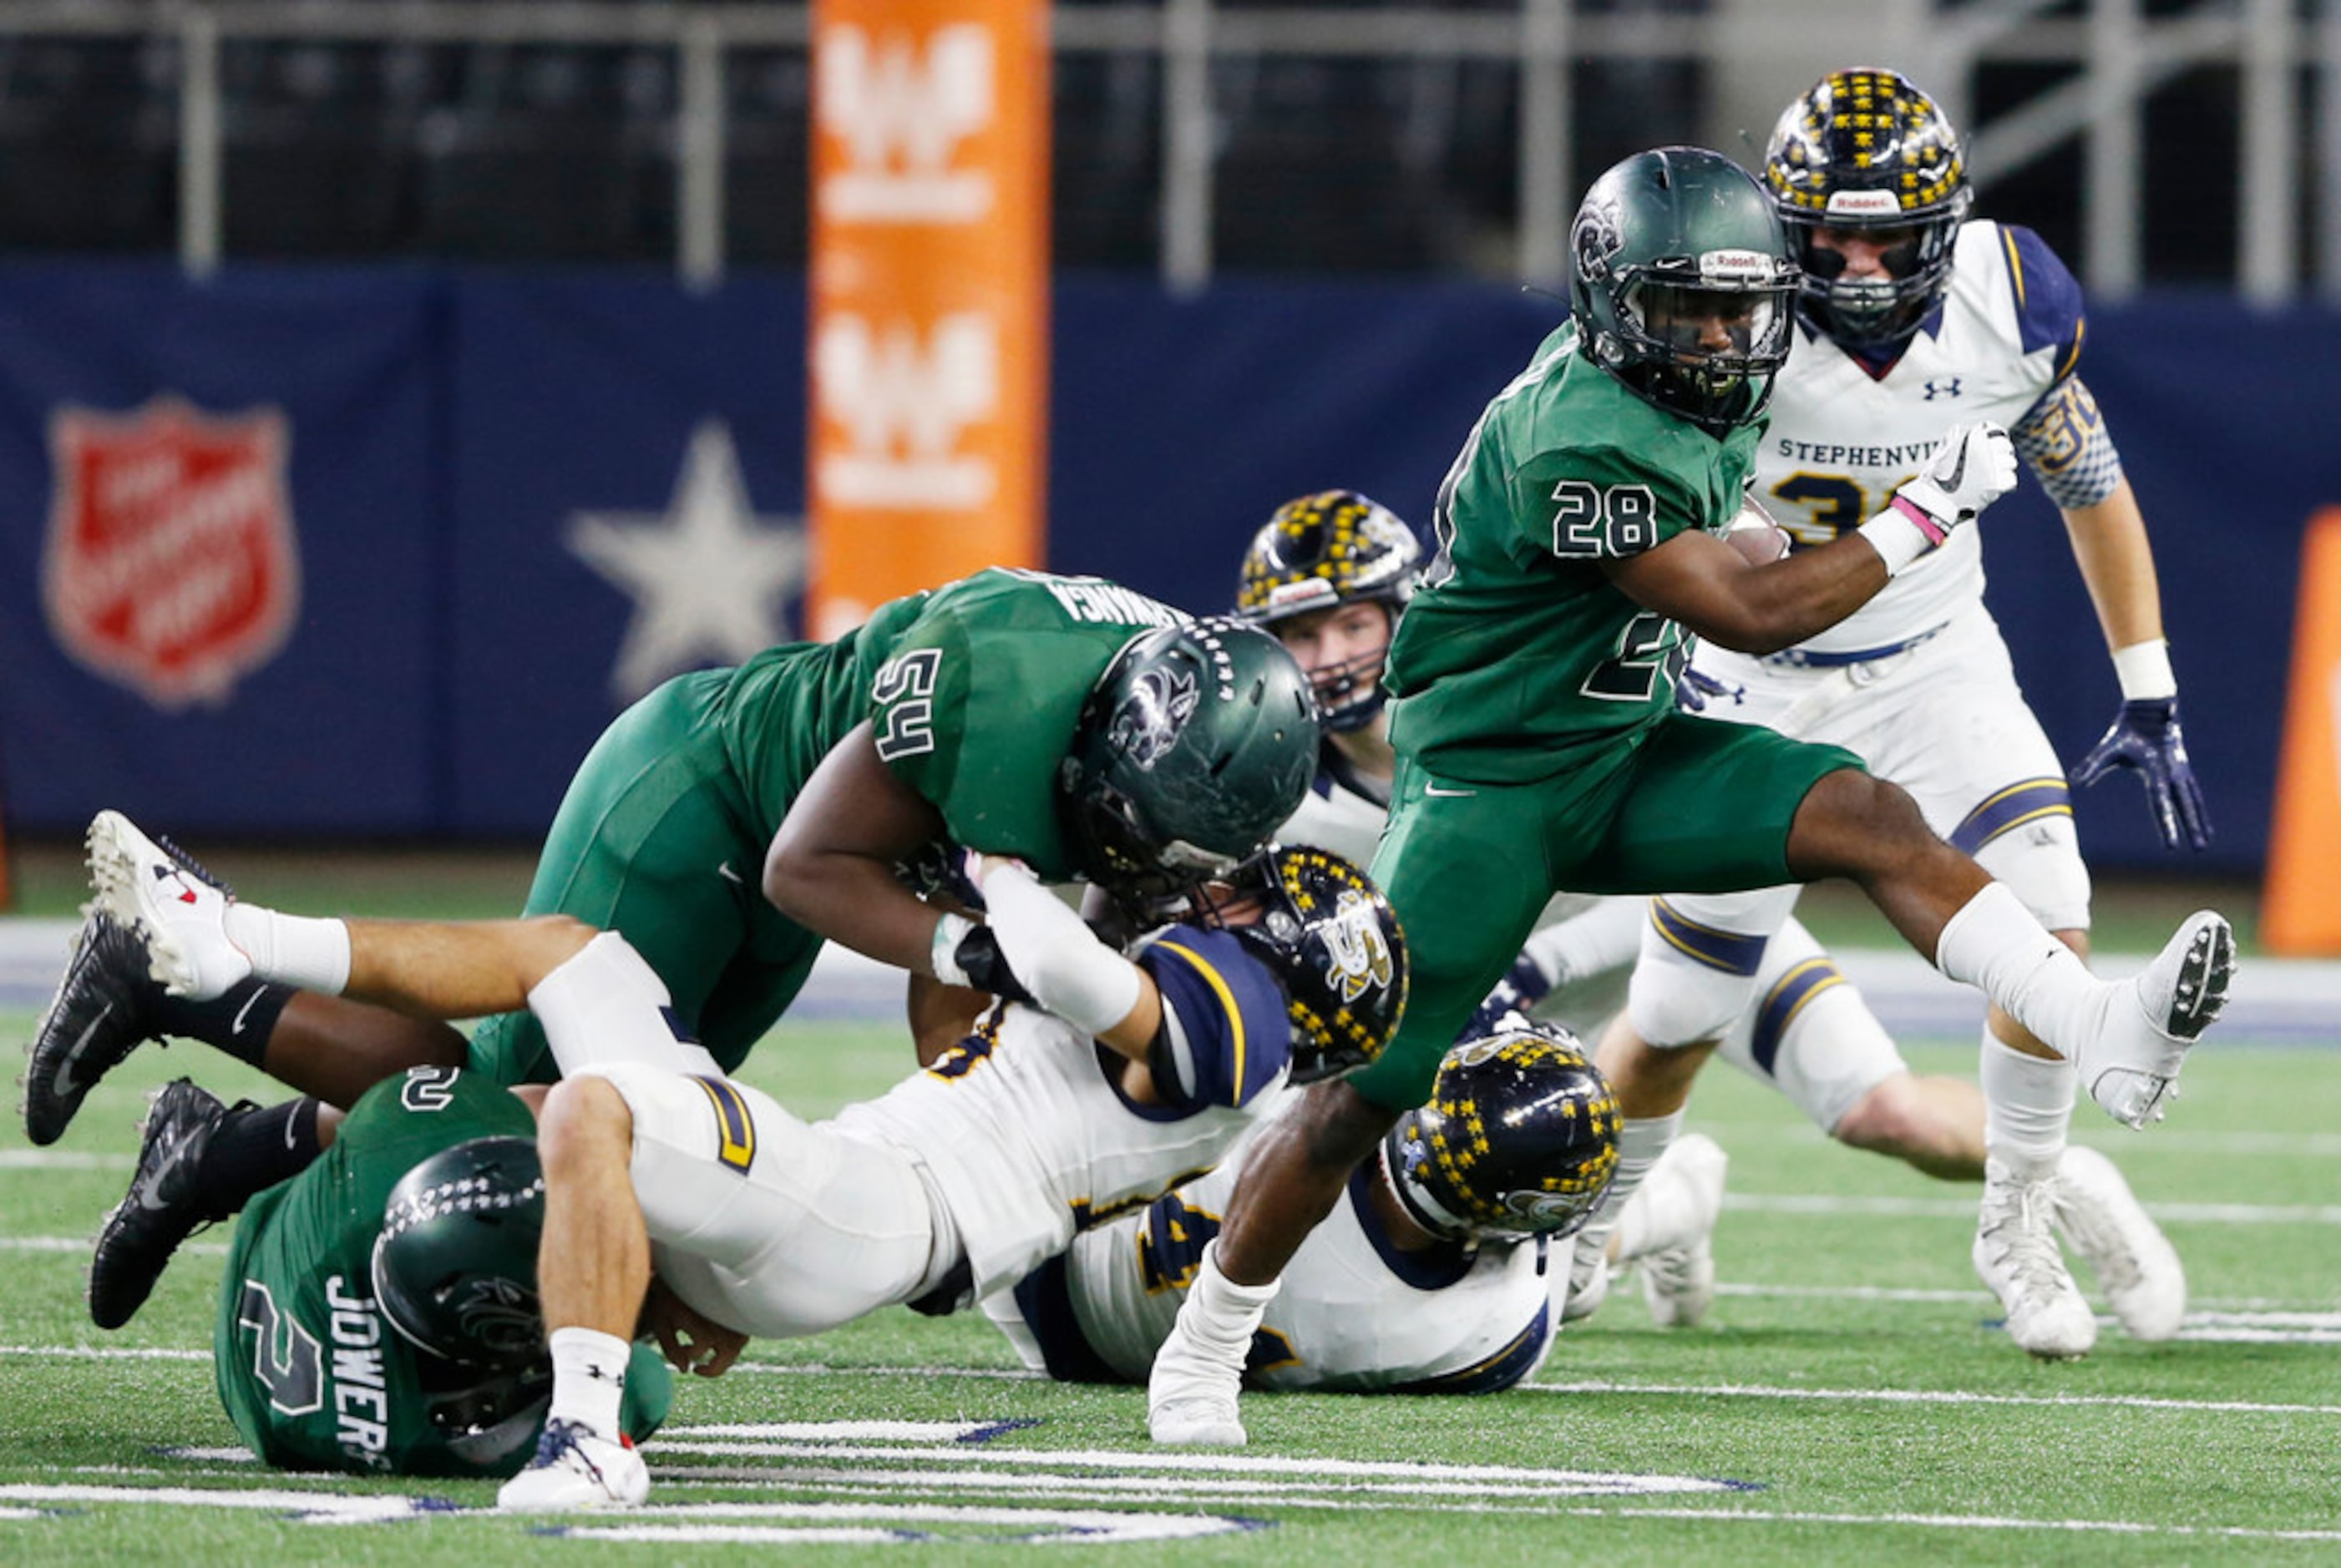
<point x="1738" y="266"/>
<point x="170" y="565"/>
<point x="1863" y="204"/>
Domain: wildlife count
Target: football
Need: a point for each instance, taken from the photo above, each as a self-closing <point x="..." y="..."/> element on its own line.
<point x="1756" y="536"/>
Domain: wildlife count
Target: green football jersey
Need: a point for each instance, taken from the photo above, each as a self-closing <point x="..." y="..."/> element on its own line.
<point x="1517" y="659"/>
<point x="311" y="1372"/>
<point x="973" y="690"/>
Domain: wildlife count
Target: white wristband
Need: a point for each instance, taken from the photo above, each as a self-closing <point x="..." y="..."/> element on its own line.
<point x="942" y="953"/>
<point x="2143" y="670"/>
<point x="1898" y="540"/>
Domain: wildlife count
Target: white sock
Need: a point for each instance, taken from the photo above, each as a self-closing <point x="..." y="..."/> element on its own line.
<point x="589" y="1379"/>
<point x="1995" y="944"/>
<point x="295" y="950"/>
<point x="1639" y="1146"/>
<point x="1219" y="1313"/>
<point x="2028" y="1105"/>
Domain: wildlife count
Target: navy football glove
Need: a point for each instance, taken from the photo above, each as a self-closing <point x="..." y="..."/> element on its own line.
<point x="1694" y="691"/>
<point x="1521" y="988"/>
<point x="2146" y="738"/>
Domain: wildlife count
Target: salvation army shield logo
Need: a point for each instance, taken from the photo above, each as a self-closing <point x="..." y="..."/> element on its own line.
<point x="170" y="565"/>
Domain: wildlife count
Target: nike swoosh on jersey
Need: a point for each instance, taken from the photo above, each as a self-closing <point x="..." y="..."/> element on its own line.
<point x="1447" y="794"/>
<point x="64" y="1081"/>
<point x="725" y="871"/>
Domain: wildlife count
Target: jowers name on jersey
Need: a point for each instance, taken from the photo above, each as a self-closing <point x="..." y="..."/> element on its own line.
<point x="1029" y="1136"/>
<point x="1355" y="1314"/>
<point x="310" y="1370"/>
<point x="2006" y="335"/>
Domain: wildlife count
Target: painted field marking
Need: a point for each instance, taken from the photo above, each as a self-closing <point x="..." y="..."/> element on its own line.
<point x="1810" y="1206"/>
<point x="1931" y="1397"/>
<point x="1965" y="1521"/>
<point x="716" y="1522"/>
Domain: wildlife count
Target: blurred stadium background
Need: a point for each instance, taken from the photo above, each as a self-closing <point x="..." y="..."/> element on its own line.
<point x="458" y="326"/>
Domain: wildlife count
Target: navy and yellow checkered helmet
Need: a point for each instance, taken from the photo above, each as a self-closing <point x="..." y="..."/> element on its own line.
<point x="1334" y="944"/>
<point x="1322" y="552"/>
<point x="1520" y="1139"/>
<point x="1864" y="150"/>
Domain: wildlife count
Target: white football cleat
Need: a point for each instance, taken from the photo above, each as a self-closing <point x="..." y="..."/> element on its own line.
<point x="1684" y="1194"/>
<point x="2016" y="1254"/>
<point x="1191" y="1396"/>
<point x="2132" y="1066"/>
<point x="1588" y="1277"/>
<point x="2135" y="1265"/>
<point x="576" y="1468"/>
<point x="180" y="907"/>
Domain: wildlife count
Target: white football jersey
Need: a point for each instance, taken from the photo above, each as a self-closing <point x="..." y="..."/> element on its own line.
<point x="1841" y="441"/>
<point x="1026" y="1130"/>
<point x="1342" y="812"/>
<point x="1354" y="1314"/>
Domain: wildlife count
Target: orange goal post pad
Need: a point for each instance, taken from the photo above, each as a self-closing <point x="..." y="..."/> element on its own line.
<point x="2300" y="904"/>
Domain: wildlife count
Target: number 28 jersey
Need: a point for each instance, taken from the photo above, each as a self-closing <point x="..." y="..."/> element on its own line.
<point x="1517" y="658"/>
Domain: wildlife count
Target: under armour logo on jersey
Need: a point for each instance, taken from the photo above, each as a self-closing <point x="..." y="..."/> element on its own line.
<point x="1949" y="388"/>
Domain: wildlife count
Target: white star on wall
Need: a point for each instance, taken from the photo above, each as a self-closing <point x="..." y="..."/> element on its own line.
<point x="708" y="575"/>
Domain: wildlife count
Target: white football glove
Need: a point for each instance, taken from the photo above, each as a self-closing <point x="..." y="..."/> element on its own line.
<point x="1975" y="466"/>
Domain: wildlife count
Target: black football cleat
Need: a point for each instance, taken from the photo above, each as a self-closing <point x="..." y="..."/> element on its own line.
<point x="166" y="1204"/>
<point x="104" y="1006"/>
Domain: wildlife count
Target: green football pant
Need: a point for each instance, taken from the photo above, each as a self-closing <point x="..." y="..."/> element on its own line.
<point x="1698" y="806"/>
<point x="654" y="840"/>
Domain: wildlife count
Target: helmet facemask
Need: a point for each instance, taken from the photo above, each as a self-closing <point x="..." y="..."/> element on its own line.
<point x="1698" y="347"/>
<point x="1863" y="151"/>
<point x="1318" y="554"/>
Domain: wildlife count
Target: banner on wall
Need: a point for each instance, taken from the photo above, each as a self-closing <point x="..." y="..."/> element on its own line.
<point x="929" y="297"/>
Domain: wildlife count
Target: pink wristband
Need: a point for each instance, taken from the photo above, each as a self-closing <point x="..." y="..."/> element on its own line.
<point x="1935" y="532"/>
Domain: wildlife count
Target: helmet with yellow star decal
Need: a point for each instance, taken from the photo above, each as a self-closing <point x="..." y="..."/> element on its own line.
<point x="1334" y="943"/>
<point x="1520" y="1139"/>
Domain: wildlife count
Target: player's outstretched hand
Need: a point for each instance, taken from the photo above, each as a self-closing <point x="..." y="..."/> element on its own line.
<point x="1975" y="466"/>
<point x="2145" y="737"/>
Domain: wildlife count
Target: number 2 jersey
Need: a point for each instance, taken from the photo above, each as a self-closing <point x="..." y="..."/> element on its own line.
<point x="1355" y="1314"/>
<point x="1027" y="1133"/>
<point x="311" y="1372"/>
<point x="1517" y="660"/>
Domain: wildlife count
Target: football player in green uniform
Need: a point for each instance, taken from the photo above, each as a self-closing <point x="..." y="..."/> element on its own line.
<point x="378" y="1313"/>
<point x="733" y="819"/>
<point x="1580" y="547"/>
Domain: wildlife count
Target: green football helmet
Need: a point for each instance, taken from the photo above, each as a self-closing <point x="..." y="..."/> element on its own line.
<point x="454" y="1267"/>
<point x="1681" y="286"/>
<point x="1193" y="747"/>
<point x="1520" y="1139"/>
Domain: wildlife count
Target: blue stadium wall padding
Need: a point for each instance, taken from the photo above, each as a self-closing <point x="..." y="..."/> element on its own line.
<point x="452" y="657"/>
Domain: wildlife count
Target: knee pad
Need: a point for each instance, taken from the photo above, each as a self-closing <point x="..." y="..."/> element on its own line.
<point x="2041" y="863"/>
<point x="1694" y="977"/>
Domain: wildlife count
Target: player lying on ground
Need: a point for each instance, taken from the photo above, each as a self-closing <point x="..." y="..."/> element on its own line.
<point x="1580" y="533"/>
<point x="734" y="818"/>
<point x="1441" y="1273"/>
<point x="378" y="1313"/>
<point x="1140" y="1074"/>
<point x="1330" y="575"/>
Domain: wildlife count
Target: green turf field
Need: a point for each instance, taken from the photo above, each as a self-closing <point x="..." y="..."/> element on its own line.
<point x="1851" y="1398"/>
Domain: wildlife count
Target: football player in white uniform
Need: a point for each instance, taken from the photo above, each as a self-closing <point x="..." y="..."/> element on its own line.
<point x="1113" y="1081"/>
<point x="1915" y="319"/>
<point x="1433" y="1278"/>
<point x="1330" y="574"/>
